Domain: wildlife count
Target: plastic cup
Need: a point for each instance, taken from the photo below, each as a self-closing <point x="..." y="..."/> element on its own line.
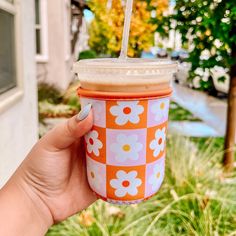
<point x="126" y="148"/>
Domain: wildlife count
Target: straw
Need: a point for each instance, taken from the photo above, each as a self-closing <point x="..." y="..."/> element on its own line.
<point x="125" y="38"/>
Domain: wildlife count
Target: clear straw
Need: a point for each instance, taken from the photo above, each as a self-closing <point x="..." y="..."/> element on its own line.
<point x="126" y="29"/>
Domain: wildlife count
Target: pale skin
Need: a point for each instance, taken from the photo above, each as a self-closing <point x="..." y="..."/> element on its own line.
<point x="50" y="185"/>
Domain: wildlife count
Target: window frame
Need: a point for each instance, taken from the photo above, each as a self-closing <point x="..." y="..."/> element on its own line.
<point x="43" y="26"/>
<point x="67" y="17"/>
<point x="13" y="95"/>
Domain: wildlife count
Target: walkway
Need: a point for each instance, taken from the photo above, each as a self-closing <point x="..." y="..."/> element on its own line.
<point x="210" y="110"/>
<point x="192" y="128"/>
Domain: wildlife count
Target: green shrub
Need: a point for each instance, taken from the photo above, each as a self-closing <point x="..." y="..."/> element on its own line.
<point x="87" y="54"/>
<point x="70" y="97"/>
<point x="74" y="102"/>
<point x="47" y="92"/>
<point x="49" y="110"/>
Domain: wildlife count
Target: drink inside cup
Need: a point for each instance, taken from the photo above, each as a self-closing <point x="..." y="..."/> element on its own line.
<point x="125" y="150"/>
<point x="132" y="74"/>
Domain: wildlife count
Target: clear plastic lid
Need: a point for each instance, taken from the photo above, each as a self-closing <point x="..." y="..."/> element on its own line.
<point x="110" y="74"/>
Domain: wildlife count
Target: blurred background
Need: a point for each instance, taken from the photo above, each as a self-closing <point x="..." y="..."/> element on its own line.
<point x="39" y="42"/>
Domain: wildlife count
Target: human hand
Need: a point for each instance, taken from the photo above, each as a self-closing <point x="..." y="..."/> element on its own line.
<point x="53" y="175"/>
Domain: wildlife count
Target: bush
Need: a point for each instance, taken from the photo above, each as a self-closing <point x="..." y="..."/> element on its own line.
<point x="49" y="110"/>
<point x="209" y="27"/>
<point x="87" y="54"/>
<point x="52" y="103"/>
<point x="47" y="92"/>
<point x="70" y="97"/>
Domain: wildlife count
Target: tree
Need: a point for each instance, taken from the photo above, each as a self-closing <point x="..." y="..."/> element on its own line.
<point x="77" y="8"/>
<point x="231" y="114"/>
<point x="106" y="28"/>
<point x="210" y="26"/>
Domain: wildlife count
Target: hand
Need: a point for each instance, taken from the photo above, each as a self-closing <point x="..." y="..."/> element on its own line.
<point x="53" y="175"/>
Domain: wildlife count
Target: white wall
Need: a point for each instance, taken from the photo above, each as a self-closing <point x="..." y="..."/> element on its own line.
<point x="57" y="70"/>
<point x="18" y="123"/>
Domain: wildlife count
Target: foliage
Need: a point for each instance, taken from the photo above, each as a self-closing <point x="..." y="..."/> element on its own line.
<point x="49" y="93"/>
<point x="203" y="142"/>
<point x="53" y="103"/>
<point x="70" y="97"/>
<point x="87" y="54"/>
<point x="106" y="28"/>
<point x="195" y="199"/>
<point x="49" y="110"/>
<point x="208" y="27"/>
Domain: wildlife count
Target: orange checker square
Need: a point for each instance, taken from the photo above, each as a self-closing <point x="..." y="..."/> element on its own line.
<point x="95" y="144"/>
<point x="126" y="114"/>
<point x="125" y="183"/>
<point x="156" y="142"/>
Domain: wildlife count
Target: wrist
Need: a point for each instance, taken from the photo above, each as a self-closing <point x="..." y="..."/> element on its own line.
<point x="20" y="203"/>
<point x="36" y="202"/>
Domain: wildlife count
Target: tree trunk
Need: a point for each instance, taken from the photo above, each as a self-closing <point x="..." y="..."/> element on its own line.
<point x="76" y="34"/>
<point x="231" y="118"/>
<point x="79" y="6"/>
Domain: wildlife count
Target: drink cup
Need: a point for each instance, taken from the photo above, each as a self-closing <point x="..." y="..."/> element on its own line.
<point x="126" y="148"/>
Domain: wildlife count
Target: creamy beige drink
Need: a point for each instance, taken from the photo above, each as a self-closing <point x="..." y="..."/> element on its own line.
<point x="129" y="75"/>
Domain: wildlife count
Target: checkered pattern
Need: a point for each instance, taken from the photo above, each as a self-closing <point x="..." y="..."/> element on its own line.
<point x="125" y="150"/>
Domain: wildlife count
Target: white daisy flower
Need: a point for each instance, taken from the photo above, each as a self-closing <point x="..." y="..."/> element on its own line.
<point x="160" y="109"/>
<point x="158" y="144"/>
<point x="126" y="148"/>
<point x="127" y="111"/>
<point x="94" y="176"/>
<point x="126" y="183"/>
<point x="157" y="177"/>
<point x="93" y="143"/>
<point x="98" y="108"/>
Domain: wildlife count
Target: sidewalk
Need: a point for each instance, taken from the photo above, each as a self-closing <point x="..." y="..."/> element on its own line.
<point x="210" y="110"/>
<point x="192" y="129"/>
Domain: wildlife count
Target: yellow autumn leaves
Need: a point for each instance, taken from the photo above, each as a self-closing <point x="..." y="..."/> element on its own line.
<point x="106" y="28"/>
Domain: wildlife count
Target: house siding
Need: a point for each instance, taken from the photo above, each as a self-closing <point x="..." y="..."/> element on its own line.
<point x="19" y="123"/>
<point x="57" y="70"/>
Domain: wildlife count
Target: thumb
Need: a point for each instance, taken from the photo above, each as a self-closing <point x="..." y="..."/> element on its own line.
<point x="66" y="133"/>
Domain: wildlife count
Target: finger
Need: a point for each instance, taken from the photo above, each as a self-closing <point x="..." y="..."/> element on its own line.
<point x="66" y="133"/>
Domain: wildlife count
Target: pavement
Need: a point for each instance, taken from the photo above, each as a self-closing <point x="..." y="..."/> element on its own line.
<point x="192" y="129"/>
<point x="212" y="111"/>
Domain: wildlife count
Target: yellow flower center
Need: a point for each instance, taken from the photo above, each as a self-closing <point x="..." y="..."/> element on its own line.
<point x="158" y="175"/>
<point x="162" y="105"/>
<point x="126" y="147"/>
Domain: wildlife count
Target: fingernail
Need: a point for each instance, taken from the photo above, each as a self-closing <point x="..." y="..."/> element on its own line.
<point x="84" y="112"/>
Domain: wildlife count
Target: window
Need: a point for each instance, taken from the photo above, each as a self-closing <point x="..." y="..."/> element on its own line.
<point x="41" y="34"/>
<point x="11" y="82"/>
<point x="7" y="50"/>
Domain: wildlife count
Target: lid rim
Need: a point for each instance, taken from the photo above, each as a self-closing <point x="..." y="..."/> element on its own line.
<point x="131" y="63"/>
<point x="124" y="95"/>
